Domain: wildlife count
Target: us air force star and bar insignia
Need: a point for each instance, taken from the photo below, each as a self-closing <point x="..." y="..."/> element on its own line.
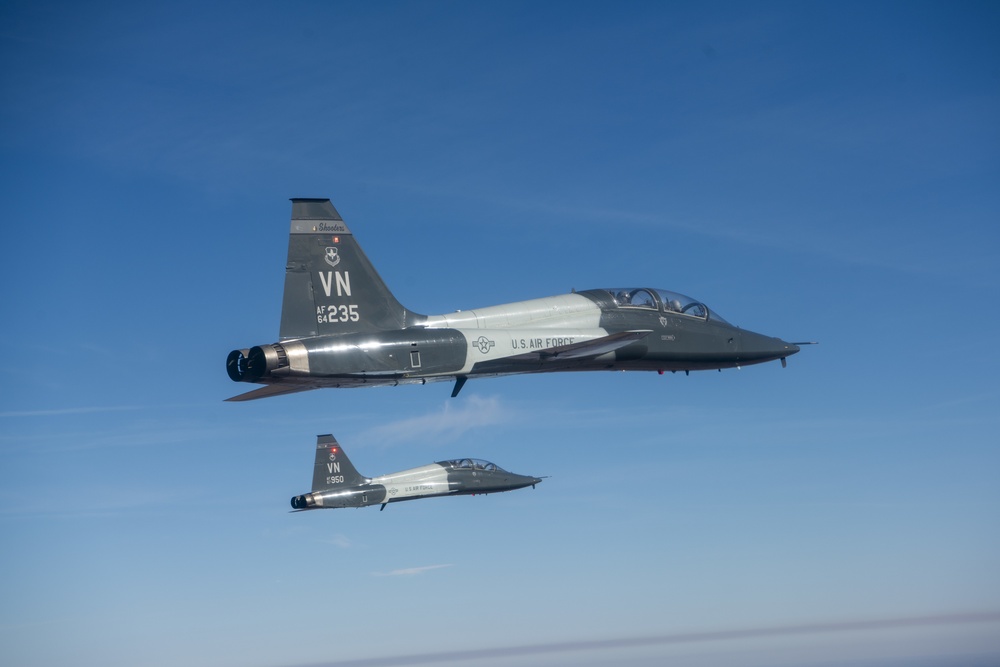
<point x="484" y="344"/>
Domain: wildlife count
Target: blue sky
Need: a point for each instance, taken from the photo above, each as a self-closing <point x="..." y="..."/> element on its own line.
<point x="811" y="171"/>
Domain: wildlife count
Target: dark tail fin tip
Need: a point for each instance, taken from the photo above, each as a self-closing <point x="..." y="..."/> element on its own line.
<point x="314" y="209"/>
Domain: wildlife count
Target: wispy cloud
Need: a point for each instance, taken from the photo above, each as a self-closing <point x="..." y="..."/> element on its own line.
<point x="69" y="411"/>
<point x="411" y="571"/>
<point x="101" y="501"/>
<point x="447" y="425"/>
<point x="132" y="435"/>
<point x="339" y="541"/>
<point x="804" y="629"/>
<point x="885" y="251"/>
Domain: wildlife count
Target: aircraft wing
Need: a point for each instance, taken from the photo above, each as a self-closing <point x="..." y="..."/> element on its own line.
<point x="590" y="348"/>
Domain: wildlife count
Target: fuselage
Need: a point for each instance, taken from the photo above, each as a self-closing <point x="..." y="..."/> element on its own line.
<point x="665" y="332"/>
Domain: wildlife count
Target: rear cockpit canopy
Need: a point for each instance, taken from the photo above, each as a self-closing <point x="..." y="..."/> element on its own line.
<point x="664" y="301"/>
<point x="471" y="464"/>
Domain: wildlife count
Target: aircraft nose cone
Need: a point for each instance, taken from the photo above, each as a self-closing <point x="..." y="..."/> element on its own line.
<point x="757" y="347"/>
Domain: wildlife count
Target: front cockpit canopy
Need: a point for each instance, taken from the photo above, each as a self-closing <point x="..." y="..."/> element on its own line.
<point x="663" y="300"/>
<point x="471" y="464"/>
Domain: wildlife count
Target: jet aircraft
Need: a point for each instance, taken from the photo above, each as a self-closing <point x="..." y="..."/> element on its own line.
<point x="336" y="483"/>
<point x="342" y="327"/>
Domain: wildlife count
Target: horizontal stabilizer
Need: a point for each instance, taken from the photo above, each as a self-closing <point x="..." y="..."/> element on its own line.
<point x="590" y="348"/>
<point x="270" y="390"/>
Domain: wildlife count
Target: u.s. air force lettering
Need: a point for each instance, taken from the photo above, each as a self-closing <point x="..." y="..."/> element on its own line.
<point x="540" y="343"/>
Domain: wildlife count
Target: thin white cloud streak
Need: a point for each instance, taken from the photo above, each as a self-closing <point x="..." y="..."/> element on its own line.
<point x="818" y="242"/>
<point x="715" y="230"/>
<point x="411" y="571"/>
<point x="133" y="436"/>
<point x="69" y="411"/>
<point x="445" y="426"/>
<point x="101" y="502"/>
<point x="962" y="401"/>
<point x="339" y="541"/>
<point x="97" y="409"/>
<point x="803" y="629"/>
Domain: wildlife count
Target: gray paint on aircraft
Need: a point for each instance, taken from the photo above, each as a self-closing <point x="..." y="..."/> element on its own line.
<point x="342" y="327"/>
<point x="338" y="484"/>
<point x="331" y="287"/>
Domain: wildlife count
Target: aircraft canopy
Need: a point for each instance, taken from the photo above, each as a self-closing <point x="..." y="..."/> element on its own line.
<point x="662" y="300"/>
<point x="471" y="464"/>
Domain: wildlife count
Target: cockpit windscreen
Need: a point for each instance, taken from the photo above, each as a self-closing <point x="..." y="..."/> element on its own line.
<point x="663" y="300"/>
<point x="471" y="464"/>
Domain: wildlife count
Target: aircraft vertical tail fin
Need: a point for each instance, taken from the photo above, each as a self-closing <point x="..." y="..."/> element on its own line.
<point x="330" y="284"/>
<point x="333" y="468"/>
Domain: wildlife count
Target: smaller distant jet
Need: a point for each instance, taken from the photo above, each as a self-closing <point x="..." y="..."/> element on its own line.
<point x="337" y="483"/>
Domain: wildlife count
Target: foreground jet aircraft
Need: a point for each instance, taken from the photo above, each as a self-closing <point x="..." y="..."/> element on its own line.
<point x="336" y="483"/>
<point x="342" y="327"/>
